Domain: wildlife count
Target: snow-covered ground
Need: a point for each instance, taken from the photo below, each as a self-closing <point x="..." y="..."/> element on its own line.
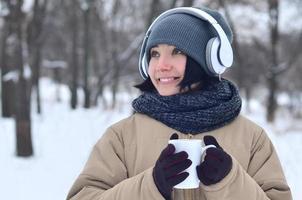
<point x="63" y="139"/>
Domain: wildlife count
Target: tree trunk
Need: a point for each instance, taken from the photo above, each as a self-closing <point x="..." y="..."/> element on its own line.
<point x="99" y="69"/>
<point x="114" y="58"/>
<point x="36" y="77"/>
<point x="272" y="78"/>
<point x="86" y="63"/>
<point x="7" y="85"/>
<point x="58" y="79"/>
<point x="248" y="99"/>
<point x="115" y="77"/>
<point x="272" y="102"/>
<point x="73" y="64"/>
<point x="35" y="41"/>
<point x="22" y="117"/>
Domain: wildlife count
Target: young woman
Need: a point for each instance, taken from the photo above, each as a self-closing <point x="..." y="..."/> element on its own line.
<point x="183" y="56"/>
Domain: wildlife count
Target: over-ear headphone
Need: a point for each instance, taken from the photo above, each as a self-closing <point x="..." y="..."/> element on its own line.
<point x="219" y="53"/>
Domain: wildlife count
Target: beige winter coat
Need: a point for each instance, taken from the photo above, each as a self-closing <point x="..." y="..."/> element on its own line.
<point x="120" y="165"/>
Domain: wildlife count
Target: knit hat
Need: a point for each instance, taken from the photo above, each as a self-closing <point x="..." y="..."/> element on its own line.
<point x="188" y="33"/>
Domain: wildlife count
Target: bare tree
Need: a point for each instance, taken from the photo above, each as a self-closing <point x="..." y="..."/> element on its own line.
<point x="74" y="63"/>
<point x="72" y="18"/>
<point x="274" y="59"/>
<point x="114" y="54"/>
<point x="99" y="54"/>
<point x="7" y="69"/>
<point x="86" y="7"/>
<point x="22" y="116"/>
<point x="35" y="40"/>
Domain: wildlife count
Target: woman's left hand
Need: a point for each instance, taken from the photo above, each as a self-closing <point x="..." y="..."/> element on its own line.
<point x="216" y="165"/>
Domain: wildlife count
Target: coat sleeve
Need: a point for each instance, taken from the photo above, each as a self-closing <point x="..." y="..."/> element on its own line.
<point x="263" y="180"/>
<point x="105" y="175"/>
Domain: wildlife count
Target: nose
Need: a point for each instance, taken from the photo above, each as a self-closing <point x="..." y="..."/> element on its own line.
<point x="164" y="63"/>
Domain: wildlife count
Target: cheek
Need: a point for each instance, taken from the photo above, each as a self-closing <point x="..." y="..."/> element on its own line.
<point x="182" y="66"/>
<point x="151" y="72"/>
<point x="151" y="68"/>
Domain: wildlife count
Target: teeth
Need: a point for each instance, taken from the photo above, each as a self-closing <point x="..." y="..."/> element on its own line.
<point x="165" y="80"/>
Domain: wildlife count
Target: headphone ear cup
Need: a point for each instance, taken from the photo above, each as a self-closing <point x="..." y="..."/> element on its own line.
<point x="213" y="64"/>
<point x="145" y="66"/>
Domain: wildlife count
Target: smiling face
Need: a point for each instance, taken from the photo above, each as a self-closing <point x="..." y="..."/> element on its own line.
<point x="166" y="68"/>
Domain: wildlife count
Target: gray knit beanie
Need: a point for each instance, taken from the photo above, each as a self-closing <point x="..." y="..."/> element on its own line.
<point x="188" y="33"/>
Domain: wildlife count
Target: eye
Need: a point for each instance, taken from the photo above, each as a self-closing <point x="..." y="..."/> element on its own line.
<point x="154" y="53"/>
<point x="177" y="52"/>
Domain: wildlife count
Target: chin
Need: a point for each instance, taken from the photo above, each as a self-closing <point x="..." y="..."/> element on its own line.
<point x="167" y="93"/>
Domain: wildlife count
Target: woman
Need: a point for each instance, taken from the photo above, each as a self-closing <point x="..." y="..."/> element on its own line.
<point x="184" y="94"/>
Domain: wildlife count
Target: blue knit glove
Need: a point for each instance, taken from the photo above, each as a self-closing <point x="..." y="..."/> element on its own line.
<point x="216" y="165"/>
<point x="169" y="167"/>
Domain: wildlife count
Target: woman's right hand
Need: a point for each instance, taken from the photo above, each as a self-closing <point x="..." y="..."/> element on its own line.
<point x="169" y="167"/>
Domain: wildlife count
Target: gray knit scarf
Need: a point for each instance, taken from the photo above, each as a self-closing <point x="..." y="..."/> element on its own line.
<point x="193" y="112"/>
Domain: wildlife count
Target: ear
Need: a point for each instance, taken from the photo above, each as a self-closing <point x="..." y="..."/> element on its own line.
<point x="208" y="139"/>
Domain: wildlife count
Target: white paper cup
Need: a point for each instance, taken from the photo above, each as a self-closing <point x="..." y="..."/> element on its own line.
<point x="195" y="149"/>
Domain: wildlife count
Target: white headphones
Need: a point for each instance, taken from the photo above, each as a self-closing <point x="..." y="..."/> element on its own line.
<point x="219" y="53"/>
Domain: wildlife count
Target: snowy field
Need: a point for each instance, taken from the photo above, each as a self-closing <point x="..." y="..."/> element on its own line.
<point x="63" y="139"/>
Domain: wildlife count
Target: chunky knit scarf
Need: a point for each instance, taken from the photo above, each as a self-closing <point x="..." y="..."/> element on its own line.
<point x="193" y="112"/>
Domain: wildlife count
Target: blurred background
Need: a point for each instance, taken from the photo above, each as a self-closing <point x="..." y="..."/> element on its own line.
<point x="68" y="68"/>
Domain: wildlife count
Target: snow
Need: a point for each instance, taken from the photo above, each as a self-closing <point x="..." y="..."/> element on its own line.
<point x="63" y="138"/>
<point x="27" y="5"/>
<point x="11" y="76"/>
